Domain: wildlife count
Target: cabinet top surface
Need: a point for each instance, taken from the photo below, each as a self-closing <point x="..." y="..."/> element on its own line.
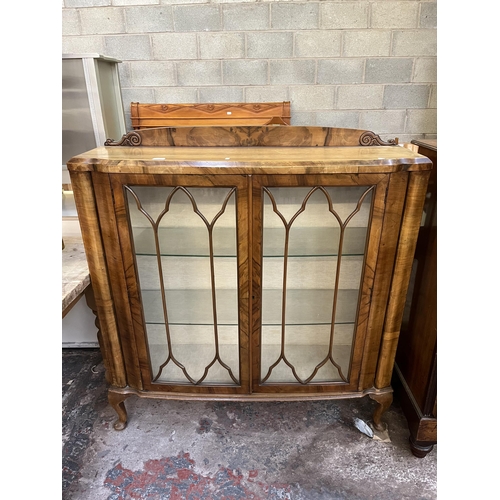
<point x="247" y="160"/>
<point x="426" y="143"/>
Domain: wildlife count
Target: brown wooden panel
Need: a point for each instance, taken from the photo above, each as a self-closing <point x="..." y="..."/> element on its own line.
<point x="423" y="428"/>
<point x="417" y="350"/>
<point x="111" y="242"/>
<point x="94" y="250"/>
<point x="146" y="115"/>
<point x="269" y="161"/>
<point x="415" y="197"/>
<point x="393" y="207"/>
<point x="247" y="136"/>
<point x="427" y="431"/>
<point x="364" y="318"/>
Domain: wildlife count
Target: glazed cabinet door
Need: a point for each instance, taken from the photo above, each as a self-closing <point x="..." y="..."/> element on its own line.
<point x="315" y="240"/>
<point x="185" y="252"/>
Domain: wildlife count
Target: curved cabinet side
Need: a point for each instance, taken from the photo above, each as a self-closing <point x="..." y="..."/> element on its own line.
<point x="412" y="216"/>
<point x="94" y="249"/>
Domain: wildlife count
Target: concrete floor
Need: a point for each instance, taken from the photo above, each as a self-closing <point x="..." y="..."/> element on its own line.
<point x="227" y="451"/>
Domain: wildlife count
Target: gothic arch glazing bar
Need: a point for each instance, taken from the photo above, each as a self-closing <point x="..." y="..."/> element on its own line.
<point x="339" y="279"/>
<point x="161" y="249"/>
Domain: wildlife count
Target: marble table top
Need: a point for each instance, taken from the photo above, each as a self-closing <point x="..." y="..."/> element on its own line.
<point x="75" y="271"/>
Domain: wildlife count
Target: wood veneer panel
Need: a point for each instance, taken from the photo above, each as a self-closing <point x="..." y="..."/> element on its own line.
<point x="417" y="353"/>
<point x="423" y="428"/>
<point x="238" y="136"/>
<point x="147" y="115"/>
<point x="259" y="160"/>
<point x="94" y="249"/>
<point x="415" y="197"/>
<point x="364" y="319"/>
<point x="111" y="242"/>
<point x="393" y="208"/>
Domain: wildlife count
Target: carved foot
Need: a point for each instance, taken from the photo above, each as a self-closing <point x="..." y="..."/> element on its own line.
<point x="116" y="400"/>
<point x="418" y="449"/>
<point x="383" y="402"/>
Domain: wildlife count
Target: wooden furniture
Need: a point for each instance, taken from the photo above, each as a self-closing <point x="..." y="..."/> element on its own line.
<point x="171" y="115"/>
<point x="75" y="273"/>
<point x="272" y="266"/>
<point x="76" y="284"/>
<point x="416" y="359"/>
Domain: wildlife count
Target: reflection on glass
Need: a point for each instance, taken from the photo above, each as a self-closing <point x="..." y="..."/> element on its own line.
<point x="314" y="242"/>
<point x="185" y="247"/>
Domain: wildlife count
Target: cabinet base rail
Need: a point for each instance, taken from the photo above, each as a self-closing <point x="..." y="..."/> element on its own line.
<point x="118" y="395"/>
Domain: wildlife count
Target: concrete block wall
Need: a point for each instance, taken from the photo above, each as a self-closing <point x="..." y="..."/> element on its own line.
<point x="368" y="64"/>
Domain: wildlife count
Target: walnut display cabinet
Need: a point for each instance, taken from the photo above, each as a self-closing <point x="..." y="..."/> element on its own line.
<point x="250" y="263"/>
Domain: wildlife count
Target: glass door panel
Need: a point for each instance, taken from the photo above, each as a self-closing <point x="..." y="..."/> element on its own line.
<point x="185" y="245"/>
<point x="314" y="241"/>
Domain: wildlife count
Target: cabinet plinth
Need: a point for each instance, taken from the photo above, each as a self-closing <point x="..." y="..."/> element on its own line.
<point x="272" y="269"/>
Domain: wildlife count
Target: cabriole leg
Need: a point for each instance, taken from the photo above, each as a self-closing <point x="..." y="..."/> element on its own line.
<point x="116" y="400"/>
<point x="383" y="402"/>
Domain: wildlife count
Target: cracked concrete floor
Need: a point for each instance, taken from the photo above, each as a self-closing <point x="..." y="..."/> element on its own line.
<point x="217" y="450"/>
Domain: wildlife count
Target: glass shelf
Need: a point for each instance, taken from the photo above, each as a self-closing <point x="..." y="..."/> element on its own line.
<point x="314" y="241"/>
<point x="308" y="307"/>
<point x="194" y="307"/>
<point x="191" y="307"/>
<point x="316" y="334"/>
<point x="302" y="272"/>
<point x="187" y="272"/>
<point x="304" y="241"/>
<point x="312" y="272"/>
<point x="185" y="241"/>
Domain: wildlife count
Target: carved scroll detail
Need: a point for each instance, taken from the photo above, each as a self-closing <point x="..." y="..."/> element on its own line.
<point x="130" y="139"/>
<point x="234" y="136"/>
<point x="371" y="139"/>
